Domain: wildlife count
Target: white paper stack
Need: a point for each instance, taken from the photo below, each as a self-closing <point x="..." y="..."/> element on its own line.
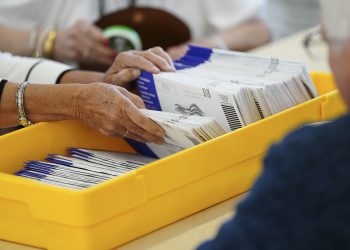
<point x="182" y="131"/>
<point x="235" y="88"/>
<point x="275" y="84"/>
<point x="83" y="168"/>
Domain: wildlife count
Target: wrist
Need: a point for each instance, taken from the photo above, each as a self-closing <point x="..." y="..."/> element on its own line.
<point x="49" y="102"/>
<point x="78" y="100"/>
<point x="72" y="99"/>
<point x="22" y="117"/>
<point x="42" y="102"/>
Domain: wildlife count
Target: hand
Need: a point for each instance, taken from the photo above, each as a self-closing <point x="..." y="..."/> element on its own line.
<point x="127" y="65"/>
<point x="113" y="110"/>
<point x="176" y="52"/>
<point x="83" y="42"/>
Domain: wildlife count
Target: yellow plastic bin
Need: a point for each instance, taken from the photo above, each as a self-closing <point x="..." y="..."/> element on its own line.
<point x="127" y="207"/>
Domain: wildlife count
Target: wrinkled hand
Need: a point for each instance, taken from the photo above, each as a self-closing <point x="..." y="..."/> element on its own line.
<point x="83" y="42"/>
<point x="127" y="65"/>
<point x="113" y="110"/>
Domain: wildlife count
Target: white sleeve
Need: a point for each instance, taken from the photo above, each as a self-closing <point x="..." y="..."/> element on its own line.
<point x="35" y="70"/>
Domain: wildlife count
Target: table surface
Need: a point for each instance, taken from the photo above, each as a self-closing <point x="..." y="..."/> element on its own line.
<point x="190" y="232"/>
<point x="292" y="48"/>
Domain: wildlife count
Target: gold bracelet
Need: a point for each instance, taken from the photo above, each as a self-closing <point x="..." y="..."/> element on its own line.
<point x="22" y="118"/>
<point x="49" y="44"/>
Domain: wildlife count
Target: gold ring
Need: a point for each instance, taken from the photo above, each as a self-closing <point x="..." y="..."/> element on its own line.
<point x="126" y="133"/>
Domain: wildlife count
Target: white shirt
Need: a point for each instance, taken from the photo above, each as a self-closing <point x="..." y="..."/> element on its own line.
<point x="34" y="70"/>
<point x="31" y="14"/>
<point x="204" y="17"/>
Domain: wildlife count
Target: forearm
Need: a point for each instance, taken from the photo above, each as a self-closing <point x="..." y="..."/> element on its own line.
<point x="41" y="103"/>
<point x="249" y="35"/>
<point x="80" y="76"/>
<point x="15" y="41"/>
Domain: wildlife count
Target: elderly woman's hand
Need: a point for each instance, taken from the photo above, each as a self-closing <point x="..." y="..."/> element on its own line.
<point x="115" y="111"/>
<point x="127" y="65"/>
<point x="126" y="68"/>
<point x="83" y="42"/>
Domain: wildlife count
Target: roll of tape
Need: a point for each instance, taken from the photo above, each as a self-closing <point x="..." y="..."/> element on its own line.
<point x="123" y="38"/>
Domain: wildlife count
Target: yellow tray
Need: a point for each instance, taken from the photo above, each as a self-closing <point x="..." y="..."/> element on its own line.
<point x="141" y="201"/>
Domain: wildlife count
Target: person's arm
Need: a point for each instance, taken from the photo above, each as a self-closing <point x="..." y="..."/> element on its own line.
<point x="83" y="42"/>
<point x="125" y="68"/>
<point x="301" y="199"/>
<point x="81" y="76"/>
<point x="109" y="109"/>
<point x="247" y="36"/>
<point x="43" y="102"/>
<point x="18" y="42"/>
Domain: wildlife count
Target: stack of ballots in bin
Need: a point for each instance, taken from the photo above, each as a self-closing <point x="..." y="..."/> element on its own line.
<point x="213" y="92"/>
<point x="83" y="168"/>
<point x="235" y="88"/>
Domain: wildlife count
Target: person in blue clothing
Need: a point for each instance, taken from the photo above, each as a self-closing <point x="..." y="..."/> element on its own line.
<point x="302" y="199"/>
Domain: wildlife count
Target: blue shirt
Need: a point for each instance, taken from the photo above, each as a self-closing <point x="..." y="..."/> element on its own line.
<point x="301" y="200"/>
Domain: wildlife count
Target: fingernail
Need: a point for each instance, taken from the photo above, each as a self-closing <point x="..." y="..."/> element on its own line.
<point x="169" y="68"/>
<point x="155" y="70"/>
<point x="160" y="141"/>
<point x="160" y="134"/>
<point x="136" y="72"/>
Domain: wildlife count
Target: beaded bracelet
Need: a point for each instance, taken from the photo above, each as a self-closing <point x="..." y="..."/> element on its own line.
<point x="22" y="118"/>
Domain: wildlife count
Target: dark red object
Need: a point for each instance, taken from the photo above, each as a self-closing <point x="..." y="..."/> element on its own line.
<point x="155" y="27"/>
